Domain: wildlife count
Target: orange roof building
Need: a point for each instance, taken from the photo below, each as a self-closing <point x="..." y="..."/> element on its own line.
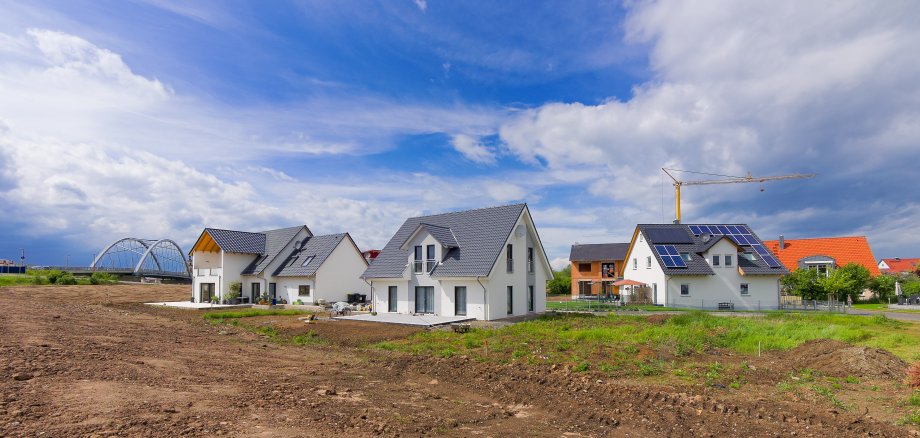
<point x="898" y="265"/>
<point x="824" y="253"/>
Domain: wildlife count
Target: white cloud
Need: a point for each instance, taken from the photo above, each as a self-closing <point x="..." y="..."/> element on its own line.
<point x="473" y="149"/>
<point x="742" y="86"/>
<point x="422" y="5"/>
<point x="559" y="263"/>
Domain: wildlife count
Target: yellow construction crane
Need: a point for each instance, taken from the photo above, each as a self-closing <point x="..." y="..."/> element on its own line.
<point x="730" y="180"/>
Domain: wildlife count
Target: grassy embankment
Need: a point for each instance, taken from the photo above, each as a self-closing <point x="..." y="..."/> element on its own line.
<point x="878" y="307"/>
<point x="626" y="344"/>
<point x="237" y="318"/>
<point x="603" y="306"/>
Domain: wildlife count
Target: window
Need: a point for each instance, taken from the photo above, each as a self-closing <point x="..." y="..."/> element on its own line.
<point x="431" y="262"/>
<point x="510" y="299"/>
<point x="510" y="253"/>
<point x="530" y="298"/>
<point x="648" y="262"/>
<point x="584" y="288"/>
<point x="685" y="256"/>
<point x="744" y="289"/>
<point x="256" y="291"/>
<point x="307" y="261"/>
<point x="584" y="267"/>
<point x="728" y="260"/>
<point x="460" y="300"/>
<point x="685" y="289"/>
<point x="530" y="260"/>
<point x="608" y="270"/>
<point x="303" y="290"/>
<point x="391" y="299"/>
<point x="635" y="264"/>
<point x="715" y="260"/>
<point x="417" y="266"/>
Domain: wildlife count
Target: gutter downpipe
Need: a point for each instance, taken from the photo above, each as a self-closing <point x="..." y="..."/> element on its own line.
<point x="485" y="300"/>
<point x="373" y="295"/>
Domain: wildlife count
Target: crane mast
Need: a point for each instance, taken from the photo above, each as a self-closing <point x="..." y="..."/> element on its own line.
<point x="728" y="180"/>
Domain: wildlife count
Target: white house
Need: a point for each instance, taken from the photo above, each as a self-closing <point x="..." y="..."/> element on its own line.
<point x="287" y="264"/>
<point x="486" y="264"/>
<point x="704" y="266"/>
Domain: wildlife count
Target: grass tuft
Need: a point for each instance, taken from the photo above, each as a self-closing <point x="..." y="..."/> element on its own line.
<point x="232" y="314"/>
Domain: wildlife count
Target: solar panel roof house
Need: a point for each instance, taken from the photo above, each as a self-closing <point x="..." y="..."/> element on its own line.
<point x="702" y="266"/>
<point x="286" y="264"/>
<point x="486" y="263"/>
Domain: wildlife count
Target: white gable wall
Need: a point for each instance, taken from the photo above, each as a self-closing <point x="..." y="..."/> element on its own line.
<point x="654" y="277"/>
<point x="340" y="274"/>
<point x="499" y="280"/>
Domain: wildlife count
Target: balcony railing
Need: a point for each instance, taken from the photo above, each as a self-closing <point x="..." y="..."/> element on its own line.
<point x="510" y="265"/>
<point x="207" y="272"/>
<point x="429" y="265"/>
<point x="530" y="266"/>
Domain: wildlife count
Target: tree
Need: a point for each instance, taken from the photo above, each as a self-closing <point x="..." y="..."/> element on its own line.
<point x="857" y="278"/>
<point x="883" y="286"/>
<point x="804" y="283"/>
<point x="838" y="283"/>
<point x="561" y="283"/>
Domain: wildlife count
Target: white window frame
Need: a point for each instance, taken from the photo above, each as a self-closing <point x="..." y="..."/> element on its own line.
<point x="682" y="290"/>
<point x="745" y="289"/>
<point x="648" y="262"/>
<point x="716" y="260"/>
<point x="635" y="263"/>
<point x="727" y="259"/>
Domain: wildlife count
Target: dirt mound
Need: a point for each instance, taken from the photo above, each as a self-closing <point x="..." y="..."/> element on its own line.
<point x="835" y="358"/>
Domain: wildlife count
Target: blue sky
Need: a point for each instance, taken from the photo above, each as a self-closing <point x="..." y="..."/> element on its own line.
<point x="157" y="118"/>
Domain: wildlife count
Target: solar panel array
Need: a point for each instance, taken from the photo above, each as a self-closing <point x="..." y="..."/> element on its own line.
<point x="668" y="235"/>
<point x="740" y="235"/>
<point x="670" y="257"/>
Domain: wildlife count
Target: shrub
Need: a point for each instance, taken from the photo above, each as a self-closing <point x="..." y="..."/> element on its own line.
<point x="54" y="275"/>
<point x="66" y="278"/>
<point x="103" y="278"/>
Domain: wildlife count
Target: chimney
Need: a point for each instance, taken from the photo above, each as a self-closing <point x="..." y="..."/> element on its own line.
<point x="782" y="242"/>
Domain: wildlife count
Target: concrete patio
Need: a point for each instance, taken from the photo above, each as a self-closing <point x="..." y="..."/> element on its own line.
<point x="424" y="320"/>
<point x="198" y="306"/>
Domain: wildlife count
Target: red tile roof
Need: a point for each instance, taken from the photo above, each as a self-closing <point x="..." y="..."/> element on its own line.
<point x="899" y="265"/>
<point x="843" y="249"/>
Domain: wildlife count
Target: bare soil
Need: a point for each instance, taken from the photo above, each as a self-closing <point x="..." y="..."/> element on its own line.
<point x="84" y="360"/>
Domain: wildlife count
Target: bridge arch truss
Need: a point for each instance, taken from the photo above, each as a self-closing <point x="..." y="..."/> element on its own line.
<point x="161" y="257"/>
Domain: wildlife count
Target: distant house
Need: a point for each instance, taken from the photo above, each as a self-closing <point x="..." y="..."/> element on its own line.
<point x="823" y="254"/>
<point x="595" y="267"/>
<point x="370" y="254"/>
<point x="287" y="264"/>
<point x="703" y="266"/>
<point x="486" y="264"/>
<point x="898" y="265"/>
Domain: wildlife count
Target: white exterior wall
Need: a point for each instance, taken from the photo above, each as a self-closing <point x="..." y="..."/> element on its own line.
<point x="653" y="276"/>
<point x="289" y="289"/>
<point x="340" y="274"/>
<point x="232" y="264"/>
<point x="224" y="268"/>
<point x="488" y="304"/>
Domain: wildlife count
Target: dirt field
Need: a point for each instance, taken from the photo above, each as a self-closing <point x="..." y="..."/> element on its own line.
<point x="84" y="360"/>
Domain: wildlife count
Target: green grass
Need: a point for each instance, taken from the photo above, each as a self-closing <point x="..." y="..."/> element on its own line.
<point x="16" y="279"/>
<point x="232" y="314"/>
<point x="633" y="344"/>
<point x="588" y="305"/>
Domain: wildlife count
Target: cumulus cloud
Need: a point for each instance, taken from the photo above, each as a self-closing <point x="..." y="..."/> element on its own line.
<point x="737" y="87"/>
<point x="473" y="149"/>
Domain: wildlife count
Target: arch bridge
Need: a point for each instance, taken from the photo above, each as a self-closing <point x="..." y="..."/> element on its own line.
<point x="143" y="257"/>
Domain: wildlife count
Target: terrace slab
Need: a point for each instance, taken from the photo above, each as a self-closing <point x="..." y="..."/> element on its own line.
<point x="198" y="306"/>
<point x="423" y="320"/>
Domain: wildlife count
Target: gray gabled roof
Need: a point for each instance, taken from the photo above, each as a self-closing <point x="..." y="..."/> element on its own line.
<point x="592" y="252"/>
<point x="242" y="242"/>
<point x="443" y="235"/>
<point x="480" y="234"/>
<point x="275" y="241"/>
<point x="697" y="265"/>
<point x="316" y="249"/>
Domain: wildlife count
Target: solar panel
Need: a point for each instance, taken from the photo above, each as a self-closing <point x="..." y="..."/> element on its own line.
<point x="668" y="235"/>
<point x="760" y="249"/>
<point x="771" y="261"/>
<point x="695" y="229"/>
<point x="670" y="256"/>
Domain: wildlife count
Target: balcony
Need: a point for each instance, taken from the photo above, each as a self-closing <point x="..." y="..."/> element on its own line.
<point x="429" y="265"/>
<point x="208" y="272"/>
